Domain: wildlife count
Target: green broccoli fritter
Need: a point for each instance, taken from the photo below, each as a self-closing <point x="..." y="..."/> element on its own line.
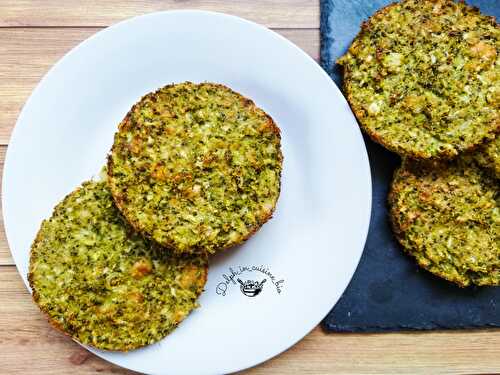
<point x="103" y="284"/>
<point x="423" y="78"/>
<point x="196" y="167"/>
<point x="447" y="216"/>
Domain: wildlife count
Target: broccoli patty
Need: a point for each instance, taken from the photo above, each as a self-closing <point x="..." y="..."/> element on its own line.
<point x="103" y="284"/>
<point x="447" y="216"/>
<point x="196" y="167"/>
<point x="423" y="78"/>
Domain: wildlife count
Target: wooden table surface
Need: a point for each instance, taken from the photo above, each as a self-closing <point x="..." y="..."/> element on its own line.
<point x="33" y="36"/>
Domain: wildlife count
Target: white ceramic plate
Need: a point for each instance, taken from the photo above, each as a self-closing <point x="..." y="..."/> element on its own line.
<point x="307" y="253"/>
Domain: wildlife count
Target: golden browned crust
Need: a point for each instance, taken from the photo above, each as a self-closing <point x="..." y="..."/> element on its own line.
<point x="130" y="213"/>
<point x="443" y="215"/>
<point x="492" y="127"/>
<point x="35" y="258"/>
<point x="58" y="326"/>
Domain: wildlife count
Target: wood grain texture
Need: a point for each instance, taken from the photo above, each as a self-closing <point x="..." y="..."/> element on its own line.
<point x="27" y="54"/>
<point x="30" y="346"/>
<point x="284" y="13"/>
<point x="5" y="257"/>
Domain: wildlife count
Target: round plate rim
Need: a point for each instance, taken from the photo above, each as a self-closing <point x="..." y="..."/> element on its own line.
<point x="112" y="28"/>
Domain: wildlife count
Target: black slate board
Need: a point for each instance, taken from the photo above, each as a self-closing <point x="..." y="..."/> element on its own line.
<point x="388" y="291"/>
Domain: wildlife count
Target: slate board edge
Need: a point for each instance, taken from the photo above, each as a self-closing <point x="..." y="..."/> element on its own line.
<point x="338" y="328"/>
<point x="326" y="7"/>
